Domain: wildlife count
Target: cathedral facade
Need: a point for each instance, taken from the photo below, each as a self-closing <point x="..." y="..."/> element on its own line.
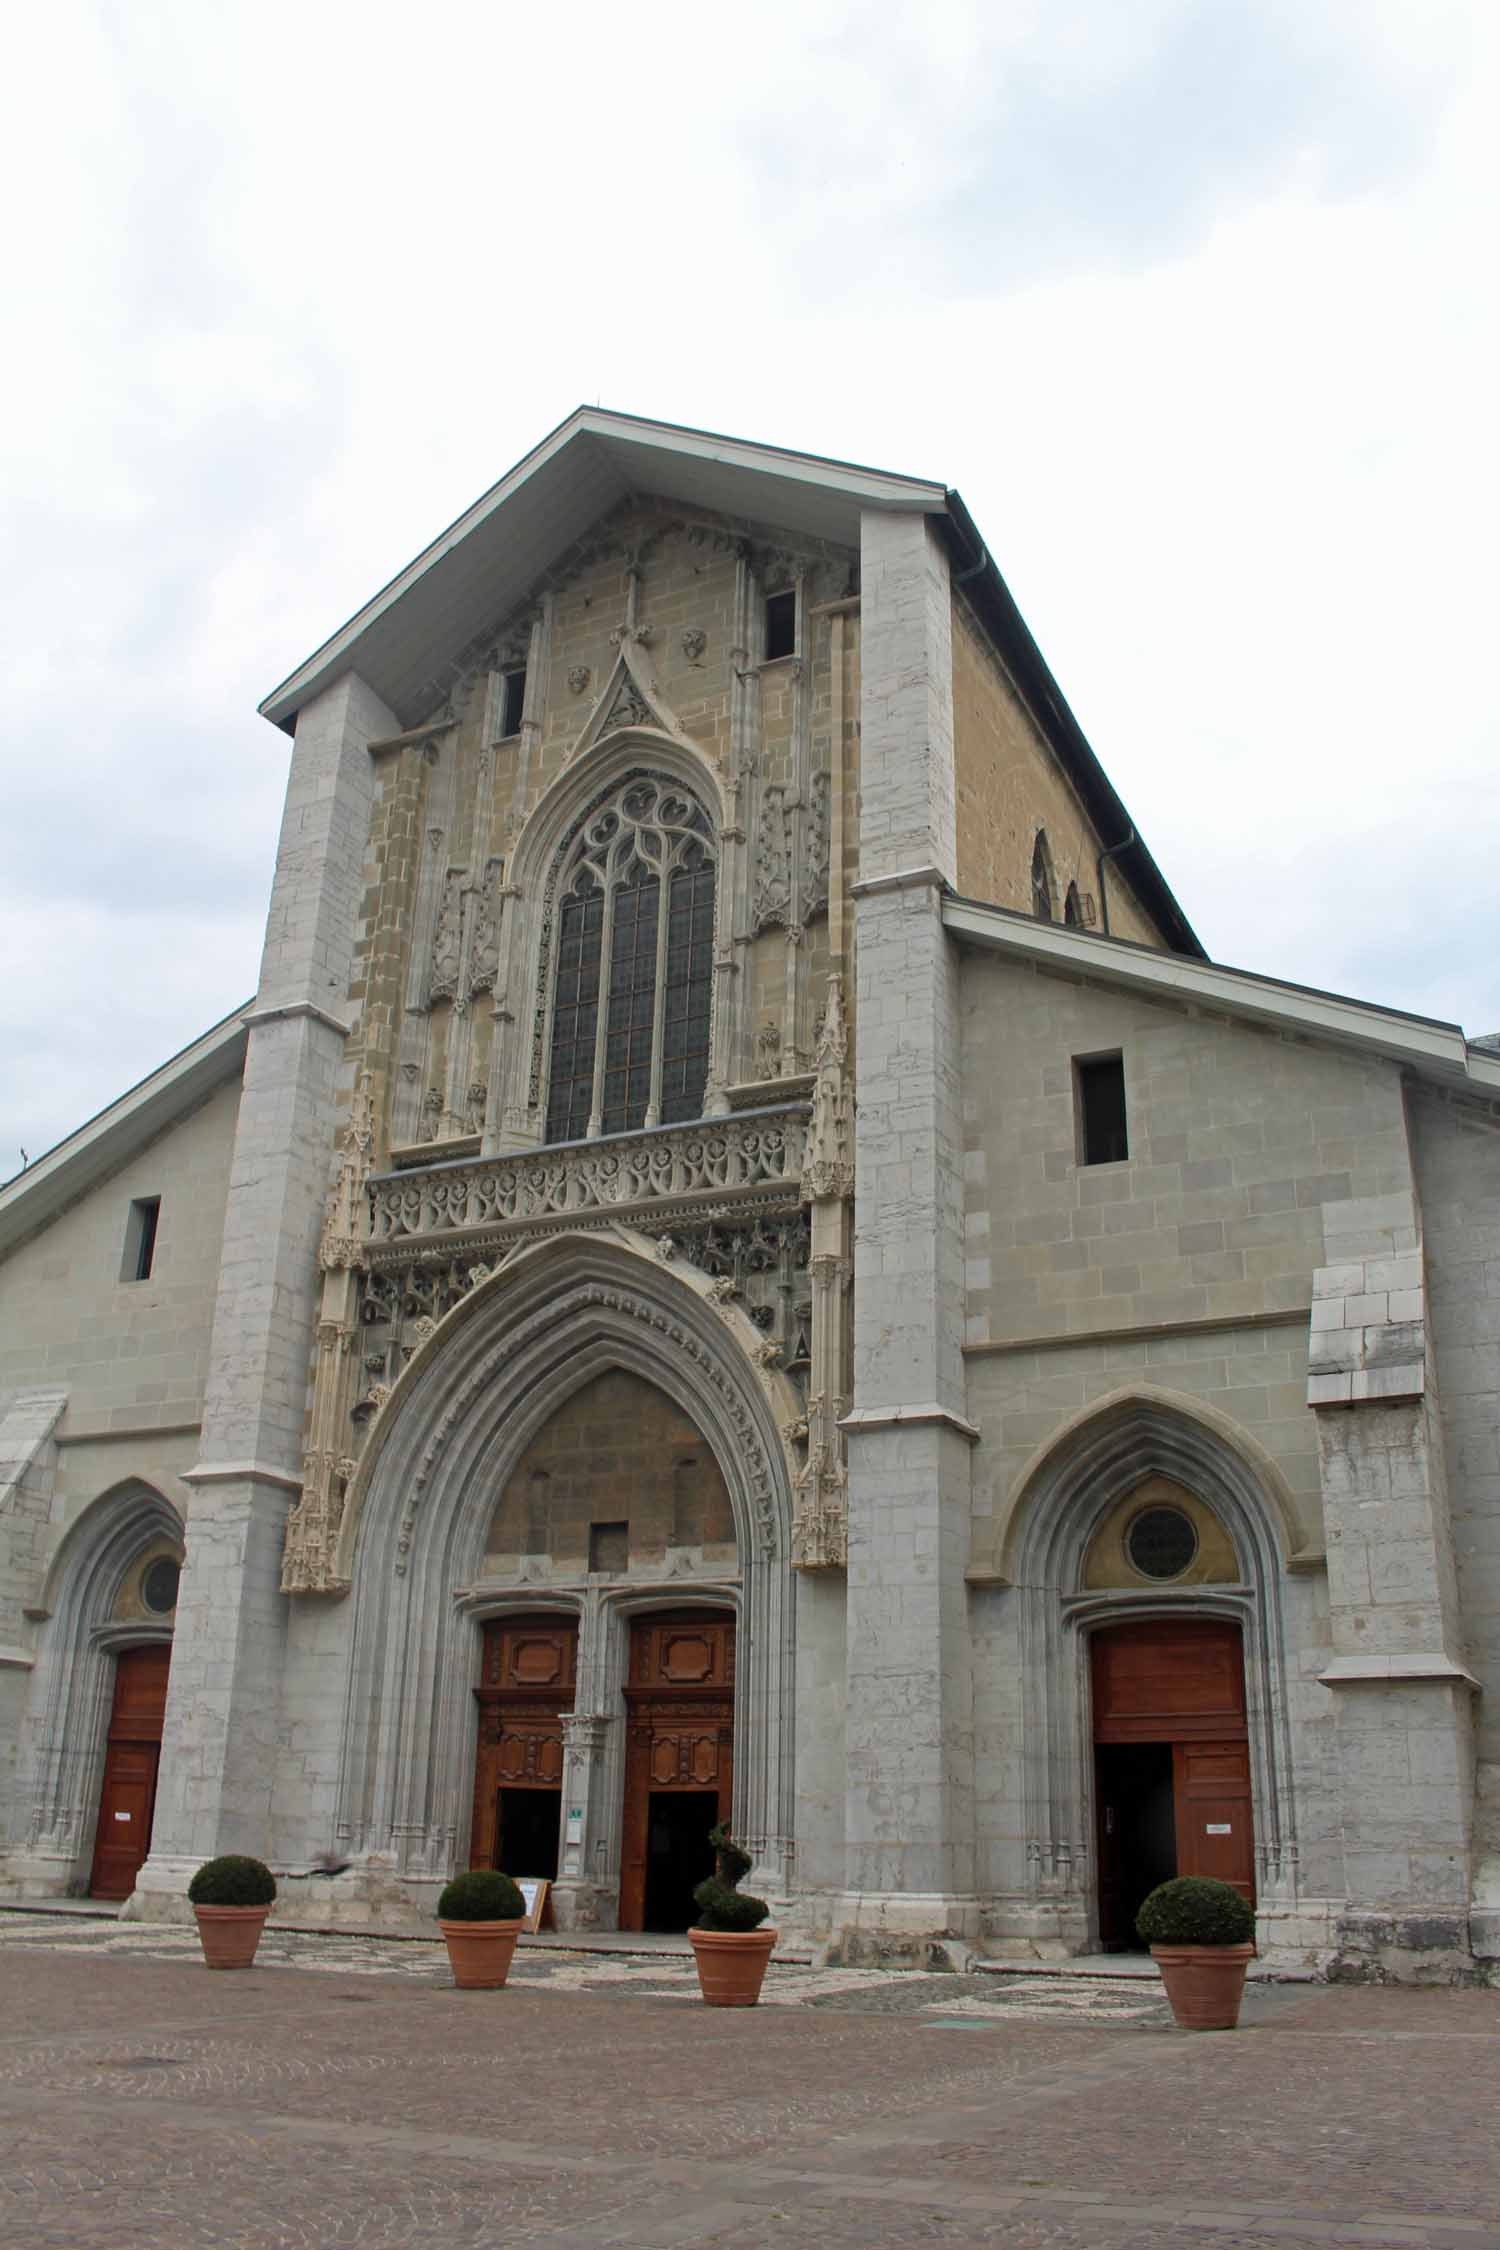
<point x="742" y="1263"/>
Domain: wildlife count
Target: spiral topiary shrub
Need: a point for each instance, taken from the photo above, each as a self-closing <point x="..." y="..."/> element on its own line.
<point x="233" y="1880"/>
<point x="1195" y="1910"/>
<point x="483" y="1895"/>
<point x="721" y="1904"/>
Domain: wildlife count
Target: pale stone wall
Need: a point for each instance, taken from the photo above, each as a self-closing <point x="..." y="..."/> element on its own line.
<point x="450" y="807"/>
<point x="131" y="1355"/>
<point x="1009" y="784"/>
<point x="619" y="1452"/>
<point x="1457" y="1146"/>
<point x="1264" y="1224"/>
<point x="117" y="1368"/>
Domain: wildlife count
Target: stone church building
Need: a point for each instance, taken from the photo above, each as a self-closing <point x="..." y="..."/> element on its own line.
<point x="743" y="1262"/>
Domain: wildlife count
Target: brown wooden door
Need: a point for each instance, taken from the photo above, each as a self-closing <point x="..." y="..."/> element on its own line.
<point x="1168" y="1681"/>
<point x="1171" y="1762"/>
<point x="679" y="1695"/>
<point x="1211" y="1798"/>
<point x="127" y="1799"/>
<point x="528" y="1679"/>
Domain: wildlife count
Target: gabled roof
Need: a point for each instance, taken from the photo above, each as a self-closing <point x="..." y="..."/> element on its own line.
<point x="119" y="1132"/>
<point x="403" y="641"/>
<point x="1424" y="1044"/>
<point x="483" y="564"/>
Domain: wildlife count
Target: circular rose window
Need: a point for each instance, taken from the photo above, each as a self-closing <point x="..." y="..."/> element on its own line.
<point x="1161" y="1542"/>
<point x="159" y="1584"/>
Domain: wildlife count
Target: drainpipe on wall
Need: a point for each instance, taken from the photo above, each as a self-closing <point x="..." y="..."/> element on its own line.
<point x="1123" y="845"/>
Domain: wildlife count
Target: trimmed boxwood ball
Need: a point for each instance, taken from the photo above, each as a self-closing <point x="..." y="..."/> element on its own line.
<point x="233" y="1880"/>
<point x="483" y="1895"/>
<point x="1195" y="1910"/>
<point x="721" y="1904"/>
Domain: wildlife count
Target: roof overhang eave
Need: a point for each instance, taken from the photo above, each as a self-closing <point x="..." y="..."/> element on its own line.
<point x="632" y="445"/>
<point x="1424" y="1044"/>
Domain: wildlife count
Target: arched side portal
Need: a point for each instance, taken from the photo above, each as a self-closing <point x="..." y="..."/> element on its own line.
<point x="499" y="1367"/>
<point x="1067" y="1496"/>
<point x="73" y="1685"/>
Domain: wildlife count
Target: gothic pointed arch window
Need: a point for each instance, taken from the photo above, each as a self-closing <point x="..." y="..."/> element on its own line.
<point x="632" y="998"/>
<point x="1043" y="881"/>
<point x="1072" y="908"/>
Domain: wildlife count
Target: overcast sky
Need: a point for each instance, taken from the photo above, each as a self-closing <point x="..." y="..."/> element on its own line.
<point x="1194" y="300"/>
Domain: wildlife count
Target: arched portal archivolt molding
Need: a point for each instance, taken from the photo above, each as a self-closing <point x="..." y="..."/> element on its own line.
<point x="619" y="1273"/>
<point x="473" y="1397"/>
<point x="72" y="1683"/>
<point x="1067" y="1492"/>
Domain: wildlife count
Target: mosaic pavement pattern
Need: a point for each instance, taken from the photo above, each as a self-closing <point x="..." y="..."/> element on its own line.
<point x="953" y="2000"/>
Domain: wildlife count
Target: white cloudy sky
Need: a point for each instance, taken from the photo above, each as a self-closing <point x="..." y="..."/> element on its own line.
<point x="1193" y="299"/>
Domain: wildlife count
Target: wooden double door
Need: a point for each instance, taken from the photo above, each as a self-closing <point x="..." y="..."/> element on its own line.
<point x="528" y="1679"/>
<point x="679" y="1762"/>
<point x="1171" y="1763"/>
<point x="132" y="1758"/>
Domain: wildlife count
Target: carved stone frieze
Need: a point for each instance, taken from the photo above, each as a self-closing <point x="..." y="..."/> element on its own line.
<point x="341" y="1245"/>
<point x="723" y="1155"/>
<point x="815" y="865"/>
<point x="772" y="902"/>
<point x="484" y="938"/>
<point x="829" y="1168"/>
<point x="442" y="984"/>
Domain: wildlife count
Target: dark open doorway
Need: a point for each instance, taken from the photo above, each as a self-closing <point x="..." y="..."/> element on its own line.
<point x="526" y="1832"/>
<point x="1137" y="1833"/>
<point x="678" y="1853"/>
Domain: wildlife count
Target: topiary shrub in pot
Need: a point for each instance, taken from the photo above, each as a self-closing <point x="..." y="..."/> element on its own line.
<point x="1201" y="1934"/>
<point x="231" y="1897"/>
<point x="729" y="1944"/>
<point x="480" y="1915"/>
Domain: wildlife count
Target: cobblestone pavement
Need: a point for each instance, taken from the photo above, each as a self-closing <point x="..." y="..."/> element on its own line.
<point x="342" y="2092"/>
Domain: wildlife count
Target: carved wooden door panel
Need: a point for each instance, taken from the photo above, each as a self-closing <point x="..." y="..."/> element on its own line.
<point x="127" y="1799"/>
<point x="528" y="1679"/>
<point x="679" y="1731"/>
<point x="1211" y="1796"/>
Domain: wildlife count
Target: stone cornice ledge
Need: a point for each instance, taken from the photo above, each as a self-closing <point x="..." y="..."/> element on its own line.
<point x="21" y="1659"/>
<point x="240" y="1472"/>
<point x="905" y="879"/>
<point x="287" y="1011"/>
<point x="902" y="1417"/>
<point x="1362" y="1671"/>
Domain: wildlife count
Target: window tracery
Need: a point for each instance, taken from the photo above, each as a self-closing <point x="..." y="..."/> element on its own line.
<point x="632" y="997"/>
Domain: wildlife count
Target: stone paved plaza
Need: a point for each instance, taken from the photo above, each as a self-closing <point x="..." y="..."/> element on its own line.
<point x="342" y="2092"/>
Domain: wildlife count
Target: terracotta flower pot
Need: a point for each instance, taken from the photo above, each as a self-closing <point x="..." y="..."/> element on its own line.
<point x="732" y="1964"/>
<point x="230" y="1934"/>
<point x="479" y="1953"/>
<point x="1204" y="1983"/>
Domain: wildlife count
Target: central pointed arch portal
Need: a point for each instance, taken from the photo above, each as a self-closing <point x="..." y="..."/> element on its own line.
<point x="555" y="1318"/>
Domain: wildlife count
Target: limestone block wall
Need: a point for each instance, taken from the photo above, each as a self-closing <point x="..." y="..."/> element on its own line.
<point x="131" y="1355"/>
<point x="441" y="936"/>
<point x="1009" y="784"/>
<point x="1187" y="1271"/>
<point x="1457" y="1147"/>
<point x="619" y="1452"/>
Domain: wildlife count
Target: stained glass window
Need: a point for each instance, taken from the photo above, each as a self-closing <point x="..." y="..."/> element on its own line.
<point x="632" y="1002"/>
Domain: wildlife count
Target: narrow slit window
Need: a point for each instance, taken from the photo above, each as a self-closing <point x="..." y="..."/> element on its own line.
<point x="1102" y="1135"/>
<point x="514" y="702"/>
<point x="781" y="625"/>
<point x="140" y="1238"/>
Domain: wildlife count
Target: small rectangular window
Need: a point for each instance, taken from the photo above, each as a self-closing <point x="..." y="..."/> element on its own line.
<point x="140" y="1238"/>
<point x="609" y="1547"/>
<point x="781" y="625"/>
<point x="514" y="703"/>
<point x="1102" y="1138"/>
